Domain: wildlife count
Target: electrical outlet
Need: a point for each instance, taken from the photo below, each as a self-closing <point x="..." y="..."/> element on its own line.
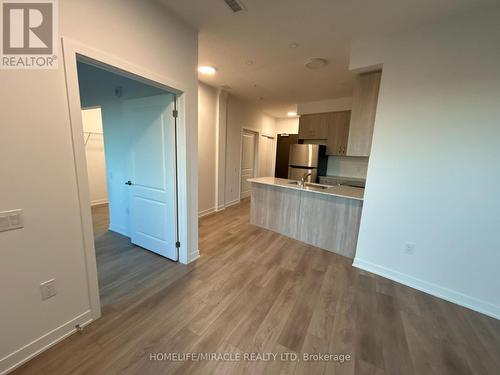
<point x="409" y="248"/>
<point x="48" y="289"/>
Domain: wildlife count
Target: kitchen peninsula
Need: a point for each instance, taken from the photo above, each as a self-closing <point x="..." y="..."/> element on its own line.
<point x="324" y="216"/>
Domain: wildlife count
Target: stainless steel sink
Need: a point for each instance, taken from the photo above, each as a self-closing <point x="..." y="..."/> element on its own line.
<point x="309" y="185"/>
<point x="315" y="186"/>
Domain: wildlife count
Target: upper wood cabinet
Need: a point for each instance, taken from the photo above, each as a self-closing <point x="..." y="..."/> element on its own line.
<point x="364" y="106"/>
<point x="337" y="133"/>
<point x="313" y="126"/>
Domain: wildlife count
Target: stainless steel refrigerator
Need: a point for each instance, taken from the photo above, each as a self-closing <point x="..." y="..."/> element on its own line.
<point x="304" y="158"/>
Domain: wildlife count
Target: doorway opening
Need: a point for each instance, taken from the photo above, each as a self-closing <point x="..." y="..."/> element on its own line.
<point x="283" y="153"/>
<point x="129" y="130"/>
<point x="249" y="141"/>
<point x="267" y="151"/>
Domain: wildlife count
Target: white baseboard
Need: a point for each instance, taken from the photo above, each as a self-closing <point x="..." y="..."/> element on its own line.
<point x="232" y="203"/>
<point x="206" y="212"/>
<point x="220" y="208"/>
<point x="120" y="230"/>
<point x="98" y="202"/>
<point x="450" y="295"/>
<point x="31" y="350"/>
<point x="194" y="255"/>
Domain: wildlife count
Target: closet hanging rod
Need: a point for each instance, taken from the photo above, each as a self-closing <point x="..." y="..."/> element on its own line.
<point x="89" y="134"/>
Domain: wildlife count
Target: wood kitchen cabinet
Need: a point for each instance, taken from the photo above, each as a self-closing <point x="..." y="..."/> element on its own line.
<point x="337" y="132"/>
<point x="364" y="106"/>
<point x="313" y="126"/>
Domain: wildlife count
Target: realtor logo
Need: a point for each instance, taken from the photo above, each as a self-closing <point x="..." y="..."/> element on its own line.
<point x="29" y="39"/>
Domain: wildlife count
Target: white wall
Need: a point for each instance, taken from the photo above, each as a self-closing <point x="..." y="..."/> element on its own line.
<point x="327" y="105"/>
<point x="221" y="119"/>
<point x="94" y="153"/>
<point x="288" y="125"/>
<point x="433" y="176"/>
<point x="35" y="138"/>
<point x="242" y="115"/>
<point x="207" y="157"/>
<point x="220" y="150"/>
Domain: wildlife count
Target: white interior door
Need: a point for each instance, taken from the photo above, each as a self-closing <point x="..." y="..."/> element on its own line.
<point x="267" y="156"/>
<point x="248" y="143"/>
<point x="152" y="173"/>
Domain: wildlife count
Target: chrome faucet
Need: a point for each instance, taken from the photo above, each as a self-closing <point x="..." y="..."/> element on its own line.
<point x="304" y="177"/>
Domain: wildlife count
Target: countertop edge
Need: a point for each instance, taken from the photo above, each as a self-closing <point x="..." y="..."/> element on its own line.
<point x="258" y="180"/>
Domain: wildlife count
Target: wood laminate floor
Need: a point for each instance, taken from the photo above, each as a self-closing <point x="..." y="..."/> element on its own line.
<point x="256" y="291"/>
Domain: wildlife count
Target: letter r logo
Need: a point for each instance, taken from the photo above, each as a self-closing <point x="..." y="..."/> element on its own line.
<point x="27" y="27"/>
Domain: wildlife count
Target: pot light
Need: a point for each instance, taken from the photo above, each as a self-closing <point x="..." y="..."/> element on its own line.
<point x="316" y="63"/>
<point x="293" y="45"/>
<point x="207" y="70"/>
<point x="291" y="114"/>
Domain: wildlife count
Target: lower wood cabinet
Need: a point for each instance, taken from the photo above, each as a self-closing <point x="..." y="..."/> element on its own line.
<point x="325" y="221"/>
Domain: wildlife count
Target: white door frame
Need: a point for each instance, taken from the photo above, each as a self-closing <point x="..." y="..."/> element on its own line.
<point x="255" y="157"/>
<point x="72" y="49"/>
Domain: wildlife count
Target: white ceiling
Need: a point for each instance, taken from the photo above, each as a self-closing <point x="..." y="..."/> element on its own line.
<point x="250" y="49"/>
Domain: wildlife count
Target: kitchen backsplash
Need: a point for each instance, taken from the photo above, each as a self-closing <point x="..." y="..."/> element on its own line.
<point x="347" y="166"/>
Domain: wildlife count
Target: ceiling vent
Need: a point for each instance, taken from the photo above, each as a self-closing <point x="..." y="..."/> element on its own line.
<point x="235" y="5"/>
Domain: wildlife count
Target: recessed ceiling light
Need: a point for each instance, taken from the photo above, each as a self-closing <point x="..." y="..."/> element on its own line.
<point x="291" y="114"/>
<point x="316" y="63"/>
<point x="207" y="70"/>
<point x="249" y="62"/>
<point x="293" y="45"/>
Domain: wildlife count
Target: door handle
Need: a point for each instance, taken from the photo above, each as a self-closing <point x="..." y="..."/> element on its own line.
<point x="128" y="183"/>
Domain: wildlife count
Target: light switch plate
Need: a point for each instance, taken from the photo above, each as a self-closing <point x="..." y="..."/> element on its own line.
<point x="10" y="220"/>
